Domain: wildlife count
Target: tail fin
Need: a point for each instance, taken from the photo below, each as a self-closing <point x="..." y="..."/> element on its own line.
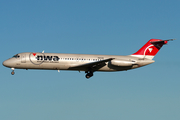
<point x="150" y="49"/>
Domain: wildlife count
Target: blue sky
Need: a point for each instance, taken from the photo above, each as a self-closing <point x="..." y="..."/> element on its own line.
<point x="90" y="27"/>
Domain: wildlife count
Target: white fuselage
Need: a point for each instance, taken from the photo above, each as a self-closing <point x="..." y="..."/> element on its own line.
<point x="86" y="62"/>
<point x="56" y="61"/>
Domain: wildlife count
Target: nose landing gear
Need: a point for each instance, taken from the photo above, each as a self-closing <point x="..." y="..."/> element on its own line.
<point x="12" y="73"/>
<point x="89" y="74"/>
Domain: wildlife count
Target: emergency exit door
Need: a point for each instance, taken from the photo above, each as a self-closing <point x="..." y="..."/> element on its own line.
<point x="23" y="58"/>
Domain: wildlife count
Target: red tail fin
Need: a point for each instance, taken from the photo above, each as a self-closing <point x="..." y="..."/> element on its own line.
<point x="150" y="49"/>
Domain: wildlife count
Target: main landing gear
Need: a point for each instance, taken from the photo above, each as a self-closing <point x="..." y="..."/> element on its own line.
<point x="89" y="74"/>
<point x="12" y="73"/>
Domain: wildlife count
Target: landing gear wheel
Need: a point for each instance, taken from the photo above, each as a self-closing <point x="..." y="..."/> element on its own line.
<point x="12" y="73"/>
<point x="88" y="75"/>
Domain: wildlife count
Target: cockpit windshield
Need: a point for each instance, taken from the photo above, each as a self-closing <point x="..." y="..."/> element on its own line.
<point x="16" y="56"/>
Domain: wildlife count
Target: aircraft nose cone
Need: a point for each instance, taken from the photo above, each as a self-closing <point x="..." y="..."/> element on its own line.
<point x="7" y="63"/>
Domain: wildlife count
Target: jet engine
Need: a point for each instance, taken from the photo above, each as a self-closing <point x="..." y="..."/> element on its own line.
<point x="123" y="63"/>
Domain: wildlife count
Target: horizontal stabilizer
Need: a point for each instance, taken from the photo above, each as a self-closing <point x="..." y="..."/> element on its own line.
<point x="162" y="41"/>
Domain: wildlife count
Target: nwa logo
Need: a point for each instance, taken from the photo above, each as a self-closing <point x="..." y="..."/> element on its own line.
<point x="152" y="49"/>
<point x="39" y="58"/>
<point x="149" y="50"/>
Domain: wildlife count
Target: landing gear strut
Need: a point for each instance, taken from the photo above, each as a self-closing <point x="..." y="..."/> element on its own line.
<point x="12" y="73"/>
<point x="89" y="74"/>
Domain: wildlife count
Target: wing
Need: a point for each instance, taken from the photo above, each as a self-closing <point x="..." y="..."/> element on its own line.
<point x="92" y="66"/>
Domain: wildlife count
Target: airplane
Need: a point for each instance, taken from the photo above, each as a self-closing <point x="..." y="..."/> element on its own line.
<point x="86" y="62"/>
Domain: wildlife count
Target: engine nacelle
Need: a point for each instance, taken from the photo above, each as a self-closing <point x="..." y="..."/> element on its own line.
<point x="122" y="62"/>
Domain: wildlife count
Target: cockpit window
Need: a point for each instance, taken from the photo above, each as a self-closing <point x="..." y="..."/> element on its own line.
<point x="16" y="56"/>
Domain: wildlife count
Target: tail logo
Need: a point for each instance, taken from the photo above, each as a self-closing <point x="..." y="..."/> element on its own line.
<point x="150" y="49"/>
